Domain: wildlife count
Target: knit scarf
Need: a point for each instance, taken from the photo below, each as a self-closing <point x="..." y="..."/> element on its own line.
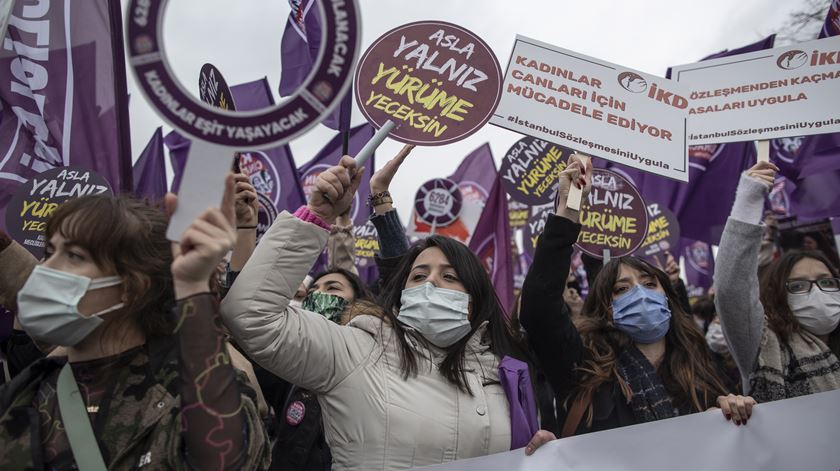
<point x="803" y="365"/>
<point x="650" y="400"/>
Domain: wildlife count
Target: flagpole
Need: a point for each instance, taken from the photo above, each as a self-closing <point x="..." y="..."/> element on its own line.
<point x="345" y="142"/>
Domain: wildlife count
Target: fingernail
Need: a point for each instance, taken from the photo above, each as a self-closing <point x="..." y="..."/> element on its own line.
<point x="728" y="416"/>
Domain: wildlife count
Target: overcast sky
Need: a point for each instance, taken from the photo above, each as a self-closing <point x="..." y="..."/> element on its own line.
<point x="242" y="38"/>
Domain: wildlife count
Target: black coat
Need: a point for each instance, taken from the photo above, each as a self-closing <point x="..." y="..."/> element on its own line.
<point x="552" y="335"/>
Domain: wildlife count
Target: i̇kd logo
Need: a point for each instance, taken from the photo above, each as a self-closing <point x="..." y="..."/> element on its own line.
<point x="632" y="82"/>
<point x="792" y="60"/>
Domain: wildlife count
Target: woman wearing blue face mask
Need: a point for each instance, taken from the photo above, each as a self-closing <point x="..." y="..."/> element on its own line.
<point x="783" y="332"/>
<point x="422" y="386"/>
<point x="130" y="394"/>
<point x="634" y="356"/>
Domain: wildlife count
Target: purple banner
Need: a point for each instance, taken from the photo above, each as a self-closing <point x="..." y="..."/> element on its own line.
<point x="299" y="51"/>
<point x="699" y="266"/>
<point x="491" y="243"/>
<point x="832" y="20"/>
<point x="63" y="94"/>
<point x="150" y="169"/>
<point x="474" y="176"/>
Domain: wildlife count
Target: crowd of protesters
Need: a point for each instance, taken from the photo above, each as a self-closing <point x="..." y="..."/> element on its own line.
<point x="218" y="352"/>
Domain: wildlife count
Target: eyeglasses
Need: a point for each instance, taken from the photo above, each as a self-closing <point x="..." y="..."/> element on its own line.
<point x="804" y="286"/>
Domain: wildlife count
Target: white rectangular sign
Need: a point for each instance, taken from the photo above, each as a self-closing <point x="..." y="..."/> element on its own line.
<point x="595" y="107"/>
<point x="793" y="434"/>
<point x="781" y="92"/>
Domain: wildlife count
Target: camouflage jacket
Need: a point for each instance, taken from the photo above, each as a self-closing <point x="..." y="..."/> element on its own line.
<point x="143" y="429"/>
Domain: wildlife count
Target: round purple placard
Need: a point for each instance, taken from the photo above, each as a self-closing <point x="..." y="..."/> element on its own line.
<point x="438" y="202"/>
<point x="213" y="88"/>
<point x="437" y="81"/>
<point x="37" y="199"/>
<point x="319" y="94"/>
<point x="614" y="216"/>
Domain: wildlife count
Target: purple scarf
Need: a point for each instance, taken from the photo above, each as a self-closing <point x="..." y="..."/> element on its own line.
<point x="516" y="381"/>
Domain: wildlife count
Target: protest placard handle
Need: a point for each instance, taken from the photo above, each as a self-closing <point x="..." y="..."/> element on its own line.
<point x="763" y="150"/>
<point x="576" y="194"/>
<point x="607" y="256"/>
<point x="203" y="185"/>
<point x="374" y="142"/>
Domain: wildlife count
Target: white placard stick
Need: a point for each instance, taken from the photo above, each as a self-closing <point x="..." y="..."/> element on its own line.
<point x="763" y="150"/>
<point x="374" y="143"/>
<point x="203" y="185"/>
<point x="607" y="256"/>
<point x="575" y="193"/>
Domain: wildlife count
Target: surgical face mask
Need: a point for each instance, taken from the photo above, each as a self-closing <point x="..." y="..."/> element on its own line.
<point x="440" y="315"/>
<point x="642" y="314"/>
<point x="816" y="311"/>
<point x="715" y="339"/>
<point x="48" y="306"/>
<point x="327" y="305"/>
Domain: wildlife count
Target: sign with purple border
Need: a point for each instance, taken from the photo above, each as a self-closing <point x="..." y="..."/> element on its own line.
<point x="437" y="81"/>
<point x="663" y="235"/>
<point x="36" y="200"/>
<point x="614" y="217"/>
<point x="213" y="88"/>
<point x="320" y="93"/>
<point x="531" y="169"/>
<point x="438" y="202"/>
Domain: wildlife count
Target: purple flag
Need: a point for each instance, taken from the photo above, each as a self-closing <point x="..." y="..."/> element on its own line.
<point x="703" y="204"/>
<point x="328" y="157"/>
<point x="179" y="149"/>
<point x="491" y="244"/>
<point x="805" y="156"/>
<point x="150" y="169"/>
<point x="299" y="50"/>
<point x="699" y="266"/>
<point x="832" y="21"/>
<point x="809" y="199"/>
<point x="476" y="174"/>
<point x="63" y="99"/>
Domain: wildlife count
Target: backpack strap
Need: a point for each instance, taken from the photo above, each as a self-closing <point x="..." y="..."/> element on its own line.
<point x="572" y="422"/>
<point x="77" y="423"/>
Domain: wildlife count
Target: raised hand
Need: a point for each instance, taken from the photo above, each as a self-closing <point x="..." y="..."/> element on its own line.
<point x="765" y="172"/>
<point x="575" y="174"/>
<point x="203" y="245"/>
<point x="247" y="206"/>
<point x="381" y="180"/>
<point x="335" y="189"/>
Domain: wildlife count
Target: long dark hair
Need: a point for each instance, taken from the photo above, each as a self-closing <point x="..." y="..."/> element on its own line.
<point x="774" y="295"/>
<point x="128" y="237"/>
<point x="687" y="369"/>
<point x="485" y="307"/>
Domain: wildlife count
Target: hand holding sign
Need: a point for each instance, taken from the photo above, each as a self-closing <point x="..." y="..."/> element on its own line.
<point x="335" y="189"/>
<point x="764" y="171"/>
<point x="579" y="174"/>
<point x="203" y="244"/>
<point x="247" y="205"/>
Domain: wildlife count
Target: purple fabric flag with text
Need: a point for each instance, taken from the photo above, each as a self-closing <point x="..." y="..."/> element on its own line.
<point x="329" y="156"/>
<point x="298" y="52"/>
<point x="699" y="266"/>
<point x="476" y="174"/>
<point x="63" y="99"/>
<point x="703" y="204"/>
<point x="491" y="242"/>
<point x="806" y="156"/>
<point x="150" y="169"/>
<point x="272" y="171"/>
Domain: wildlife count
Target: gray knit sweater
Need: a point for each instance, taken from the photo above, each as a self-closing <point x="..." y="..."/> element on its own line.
<point x="736" y="277"/>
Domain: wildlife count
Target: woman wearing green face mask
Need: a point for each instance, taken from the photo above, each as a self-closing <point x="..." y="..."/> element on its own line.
<point x="334" y="291"/>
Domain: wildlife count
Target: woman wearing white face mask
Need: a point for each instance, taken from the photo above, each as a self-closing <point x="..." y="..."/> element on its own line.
<point x="419" y="388"/>
<point x="129" y="394"/>
<point x="785" y="337"/>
